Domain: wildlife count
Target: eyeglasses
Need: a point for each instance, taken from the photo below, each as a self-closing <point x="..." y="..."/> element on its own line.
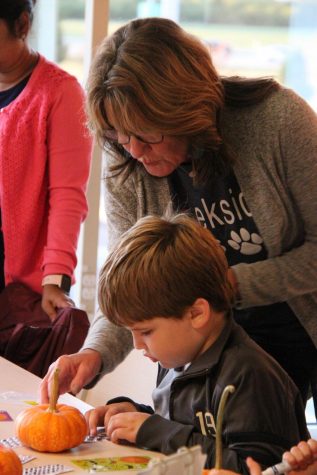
<point x="123" y="139"/>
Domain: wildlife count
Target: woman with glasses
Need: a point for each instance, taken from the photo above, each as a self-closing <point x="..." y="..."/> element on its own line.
<point x="237" y="154"/>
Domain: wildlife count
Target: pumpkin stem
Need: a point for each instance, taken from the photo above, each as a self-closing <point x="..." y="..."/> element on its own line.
<point x="54" y="392"/>
<point x="224" y="396"/>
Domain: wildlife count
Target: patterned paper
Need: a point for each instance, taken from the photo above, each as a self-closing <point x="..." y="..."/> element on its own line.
<point x="47" y="470"/>
<point x="101" y="435"/>
<point x="11" y="442"/>
<point x="112" y="464"/>
<point x="26" y="458"/>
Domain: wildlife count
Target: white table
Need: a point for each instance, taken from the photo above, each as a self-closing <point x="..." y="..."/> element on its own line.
<point x="18" y="385"/>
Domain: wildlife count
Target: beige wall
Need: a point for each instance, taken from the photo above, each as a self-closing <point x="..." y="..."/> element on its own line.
<point x="135" y="378"/>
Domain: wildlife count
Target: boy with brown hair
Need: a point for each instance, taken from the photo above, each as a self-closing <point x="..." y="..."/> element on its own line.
<point x="167" y="282"/>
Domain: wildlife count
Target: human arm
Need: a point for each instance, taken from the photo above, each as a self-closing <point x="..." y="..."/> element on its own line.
<point x="301" y="458"/>
<point x="54" y="297"/>
<point x="121" y="421"/>
<point x="75" y="371"/>
<point x="280" y="190"/>
<point x="120" y="201"/>
<point x="101" y="415"/>
<point x="98" y="356"/>
<point x="167" y="436"/>
<point x="125" y="426"/>
<point x="248" y="426"/>
<point x="68" y="163"/>
<point x="112" y="343"/>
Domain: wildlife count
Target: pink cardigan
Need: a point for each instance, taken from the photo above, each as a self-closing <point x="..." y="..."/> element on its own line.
<point x="45" y="153"/>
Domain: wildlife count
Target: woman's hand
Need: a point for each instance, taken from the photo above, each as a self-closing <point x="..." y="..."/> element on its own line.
<point x="53" y="298"/>
<point x="102" y="414"/>
<point x="75" y="371"/>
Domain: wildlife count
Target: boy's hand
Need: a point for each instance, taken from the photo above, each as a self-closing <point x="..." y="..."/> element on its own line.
<point x="125" y="426"/>
<point x="102" y="414"/>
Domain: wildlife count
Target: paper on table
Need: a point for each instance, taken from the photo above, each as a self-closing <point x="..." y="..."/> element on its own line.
<point x="56" y="469"/>
<point x="111" y="464"/>
<point x="18" y="398"/>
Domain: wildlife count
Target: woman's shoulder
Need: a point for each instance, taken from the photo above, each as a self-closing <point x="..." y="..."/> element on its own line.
<point x="48" y="85"/>
<point x="271" y="113"/>
<point x="51" y="80"/>
<point x="283" y="111"/>
<point x="283" y="100"/>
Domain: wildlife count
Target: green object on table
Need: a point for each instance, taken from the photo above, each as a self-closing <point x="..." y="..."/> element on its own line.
<point x="132" y="462"/>
<point x="224" y="396"/>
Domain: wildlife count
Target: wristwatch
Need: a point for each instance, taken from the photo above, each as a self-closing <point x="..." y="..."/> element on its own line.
<point x="61" y="280"/>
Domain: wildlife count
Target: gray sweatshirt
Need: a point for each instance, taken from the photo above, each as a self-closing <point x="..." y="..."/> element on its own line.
<point x="276" y="147"/>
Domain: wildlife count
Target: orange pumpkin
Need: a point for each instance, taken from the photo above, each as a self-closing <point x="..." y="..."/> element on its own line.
<point x="10" y="464"/>
<point x="51" y="427"/>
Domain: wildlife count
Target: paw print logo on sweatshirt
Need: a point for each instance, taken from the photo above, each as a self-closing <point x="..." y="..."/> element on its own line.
<point x="248" y="244"/>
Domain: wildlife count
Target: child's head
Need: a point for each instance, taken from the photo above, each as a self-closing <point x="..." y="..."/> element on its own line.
<point x="160" y="267"/>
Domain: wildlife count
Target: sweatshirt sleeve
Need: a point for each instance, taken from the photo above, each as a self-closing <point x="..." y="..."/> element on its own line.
<point x="121" y="203"/>
<point x="263" y="417"/>
<point x="167" y="436"/>
<point x="290" y="171"/>
<point x="112" y="342"/>
<point x="69" y="155"/>
<point x="139" y="407"/>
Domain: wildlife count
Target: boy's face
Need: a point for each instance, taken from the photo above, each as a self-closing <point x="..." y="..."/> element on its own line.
<point x="171" y="342"/>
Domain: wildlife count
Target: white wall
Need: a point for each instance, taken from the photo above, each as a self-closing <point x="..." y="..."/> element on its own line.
<point x="135" y="378"/>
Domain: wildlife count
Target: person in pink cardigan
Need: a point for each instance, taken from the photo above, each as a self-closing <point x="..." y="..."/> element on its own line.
<point x="45" y="154"/>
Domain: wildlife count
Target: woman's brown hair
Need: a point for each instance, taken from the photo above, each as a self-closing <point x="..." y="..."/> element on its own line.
<point x="160" y="267"/>
<point x="153" y="76"/>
